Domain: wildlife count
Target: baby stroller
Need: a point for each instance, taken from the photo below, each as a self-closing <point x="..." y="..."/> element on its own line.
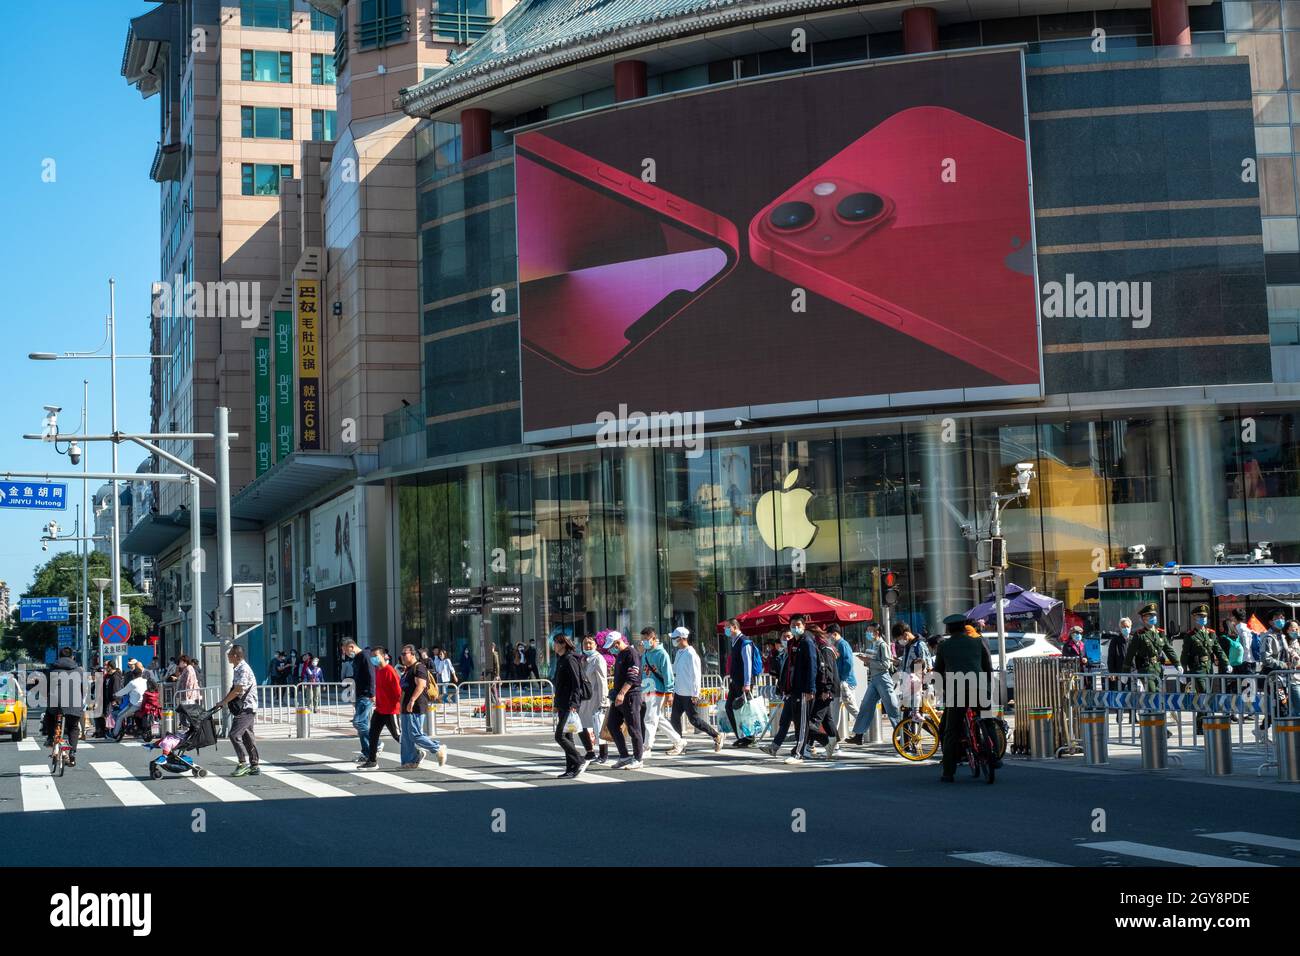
<point x="175" y="758"/>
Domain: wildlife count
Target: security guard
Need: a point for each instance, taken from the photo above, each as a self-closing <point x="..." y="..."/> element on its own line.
<point x="1149" y="649"/>
<point x="1201" y="654"/>
<point x="963" y="653"/>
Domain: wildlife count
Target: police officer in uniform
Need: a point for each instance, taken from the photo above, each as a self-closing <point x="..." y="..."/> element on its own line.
<point x="1201" y="654"/>
<point x="963" y="653"/>
<point x="1149" y="649"/>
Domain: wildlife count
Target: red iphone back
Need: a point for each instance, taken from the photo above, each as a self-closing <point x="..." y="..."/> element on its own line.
<point x="879" y="229"/>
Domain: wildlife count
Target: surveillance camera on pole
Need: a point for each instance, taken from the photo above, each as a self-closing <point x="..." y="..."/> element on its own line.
<point x="1024" y="474"/>
<point x="74" y="453"/>
<point x="51" y="424"/>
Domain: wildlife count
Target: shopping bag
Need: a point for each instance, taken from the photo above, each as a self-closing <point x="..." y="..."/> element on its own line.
<point x="572" y="725"/>
<point x="605" y="735"/>
<point x="752" y="717"/>
<point x="724" y="722"/>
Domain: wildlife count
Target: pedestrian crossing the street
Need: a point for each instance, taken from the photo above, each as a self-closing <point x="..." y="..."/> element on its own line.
<point x="125" y="782"/>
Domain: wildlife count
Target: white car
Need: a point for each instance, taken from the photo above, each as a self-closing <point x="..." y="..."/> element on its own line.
<point x="1020" y="644"/>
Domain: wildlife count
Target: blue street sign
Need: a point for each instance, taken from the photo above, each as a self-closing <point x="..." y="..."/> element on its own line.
<point x="67" y="635"/>
<point x="43" y="609"/>
<point x="50" y="655"/>
<point x="34" y="495"/>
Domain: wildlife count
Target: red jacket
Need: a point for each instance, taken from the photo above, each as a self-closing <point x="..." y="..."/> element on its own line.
<point x="388" y="690"/>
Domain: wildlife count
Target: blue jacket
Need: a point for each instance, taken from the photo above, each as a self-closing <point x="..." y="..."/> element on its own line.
<point x="846" y="662"/>
<point x="656" y="671"/>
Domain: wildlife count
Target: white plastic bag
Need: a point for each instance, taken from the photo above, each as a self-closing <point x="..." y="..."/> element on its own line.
<point x="572" y="724"/>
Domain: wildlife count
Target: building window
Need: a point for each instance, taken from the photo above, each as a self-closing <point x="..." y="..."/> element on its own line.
<point x="322" y="69"/>
<point x="262" y="179"/>
<point x="265" y="122"/>
<point x="265" y="66"/>
<point x="462" y="21"/>
<point x="323" y="22"/>
<point x="322" y="125"/>
<point x="276" y="14"/>
<point x="381" y="23"/>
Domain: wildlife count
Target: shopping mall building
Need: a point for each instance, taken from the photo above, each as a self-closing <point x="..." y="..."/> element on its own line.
<point x="713" y="300"/>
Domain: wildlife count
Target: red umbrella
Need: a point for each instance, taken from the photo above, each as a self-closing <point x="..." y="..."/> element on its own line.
<point x="817" y="608"/>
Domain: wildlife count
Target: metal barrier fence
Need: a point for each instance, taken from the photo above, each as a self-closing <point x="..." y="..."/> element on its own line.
<point x="1248" y="700"/>
<point x="1043" y="683"/>
<point x="519" y="706"/>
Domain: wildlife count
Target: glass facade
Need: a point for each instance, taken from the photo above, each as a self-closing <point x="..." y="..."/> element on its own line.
<point x="625" y="537"/>
<point x="263" y="179"/>
<point x="322" y="69"/>
<point x="322" y="124"/>
<point x="265" y="122"/>
<point x="275" y="14"/>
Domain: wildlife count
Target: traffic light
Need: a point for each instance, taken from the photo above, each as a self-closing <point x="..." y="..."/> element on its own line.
<point x="212" y="620"/>
<point x="889" y="593"/>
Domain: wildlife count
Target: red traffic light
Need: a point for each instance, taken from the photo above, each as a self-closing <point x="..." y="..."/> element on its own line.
<point x="891" y="579"/>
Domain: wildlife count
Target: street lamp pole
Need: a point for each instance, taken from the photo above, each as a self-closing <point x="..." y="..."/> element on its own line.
<point x="85" y="545"/>
<point x="117" y="504"/>
<point x="998" y="547"/>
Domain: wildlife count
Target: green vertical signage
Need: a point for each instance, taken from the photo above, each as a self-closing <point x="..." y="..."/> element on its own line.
<point x="283" y="381"/>
<point x="261" y="403"/>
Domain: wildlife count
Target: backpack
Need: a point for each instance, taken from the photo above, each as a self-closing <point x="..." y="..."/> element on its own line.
<point x="1236" y="653"/>
<point x="828" y="674"/>
<point x="755" y="659"/>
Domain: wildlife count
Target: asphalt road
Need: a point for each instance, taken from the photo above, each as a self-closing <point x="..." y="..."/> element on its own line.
<point x="727" y="809"/>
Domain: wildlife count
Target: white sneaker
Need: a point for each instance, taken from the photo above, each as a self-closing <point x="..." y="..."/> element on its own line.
<point x="622" y="762"/>
<point x="717" y="744"/>
<point x="633" y="765"/>
<point x="794" y="760"/>
<point x="582" y="768"/>
<point x="442" y="756"/>
<point x="830" y="747"/>
<point x="677" y="751"/>
<point x="380" y="748"/>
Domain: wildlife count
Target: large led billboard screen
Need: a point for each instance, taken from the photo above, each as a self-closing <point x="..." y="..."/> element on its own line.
<point x="831" y="235"/>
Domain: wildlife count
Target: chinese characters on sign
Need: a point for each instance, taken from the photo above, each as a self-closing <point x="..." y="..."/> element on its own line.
<point x="34" y="495"/>
<point x="309" y="357"/>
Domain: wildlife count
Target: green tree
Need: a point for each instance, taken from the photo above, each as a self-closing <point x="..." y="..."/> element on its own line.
<point x="61" y="577"/>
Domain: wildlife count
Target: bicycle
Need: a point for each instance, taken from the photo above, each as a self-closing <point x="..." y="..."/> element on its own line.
<point x="981" y="750"/>
<point x="916" y="738"/>
<point x="60" y="752"/>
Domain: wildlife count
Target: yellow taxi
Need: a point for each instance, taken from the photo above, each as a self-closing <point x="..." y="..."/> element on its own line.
<point x="13" y="707"/>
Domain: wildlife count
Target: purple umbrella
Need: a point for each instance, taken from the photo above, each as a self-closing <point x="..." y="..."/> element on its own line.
<point x="1022" y="604"/>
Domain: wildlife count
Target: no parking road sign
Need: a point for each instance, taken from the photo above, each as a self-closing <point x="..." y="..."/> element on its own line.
<point x="115" y="630"/>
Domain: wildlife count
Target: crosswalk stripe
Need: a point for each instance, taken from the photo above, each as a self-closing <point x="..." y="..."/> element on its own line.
<point x="998" y="858"/>
<point x="377" y="776"/>
<point x="551" y="770"/>
<point x="743" y="764"/>
<point x="125" y="785"/>
<point x="665" y="772"/>
<point x="299" y="781"/>
<point x="470" y="776"/>
<point x="39" y="792"/>
<point x="223" y="789"/>
<point x="27" y="745"/>
<point x="1255" y="839"/>
<point x="1166" y="855"/>
<point x="841" y="865"/>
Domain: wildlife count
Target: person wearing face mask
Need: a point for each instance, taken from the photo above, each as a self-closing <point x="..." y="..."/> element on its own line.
<point x="1148" y="649"/>
<point x="1202" y="655"/>
<point x="591" y="712"/>
<point x="388" y="699"/>
<point x="657" y="682"/>
<point x="1247" y="639"/>
<point x="744" y="666"/>
<point x="363" y="695"/>
<point x="687" y="676"/>
<point x="798" y="687"/>
<point x="1073" y="644"/>
<point x="1115" y="661"/>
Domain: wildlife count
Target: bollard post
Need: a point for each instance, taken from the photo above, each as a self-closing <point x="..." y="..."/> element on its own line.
<point x="1286" y="743"/>
<point x="304" y="723"/>
<point x="1042" y="735"/>
<point x="877" y="731"/>
<point x="428" y="722"/>
<point x="169" y="721"/>
<point x="1218" y="745"/>
<point x="1095" y="747"/>
<point x="1155" y="743"/>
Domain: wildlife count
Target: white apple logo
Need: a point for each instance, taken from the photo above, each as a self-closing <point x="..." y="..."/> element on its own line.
<point x="782" y="516"/>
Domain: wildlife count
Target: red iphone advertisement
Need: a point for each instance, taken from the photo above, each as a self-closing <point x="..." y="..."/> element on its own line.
<point x="846" y="233"/>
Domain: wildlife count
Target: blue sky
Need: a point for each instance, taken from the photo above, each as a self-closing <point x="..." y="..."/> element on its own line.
<point x="63" y="240"/>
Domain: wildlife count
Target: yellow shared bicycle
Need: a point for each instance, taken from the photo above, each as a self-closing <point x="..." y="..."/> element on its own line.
<point x="916" y="737"/>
